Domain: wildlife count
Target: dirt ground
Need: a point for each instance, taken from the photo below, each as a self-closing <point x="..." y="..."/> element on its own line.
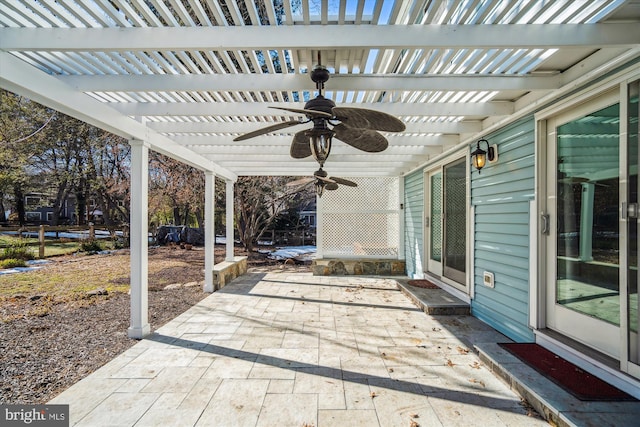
<point x="71" y="317"/>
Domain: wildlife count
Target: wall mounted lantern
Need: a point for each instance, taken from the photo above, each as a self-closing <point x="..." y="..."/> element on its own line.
<point x="479" y="157"/>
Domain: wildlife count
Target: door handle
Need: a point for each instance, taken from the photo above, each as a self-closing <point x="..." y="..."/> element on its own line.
<point x="546" y="220"/>
<point x="629" y="210"/>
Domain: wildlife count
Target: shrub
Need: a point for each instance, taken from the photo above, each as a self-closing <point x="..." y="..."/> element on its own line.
<point x="17" y="250"/>
<point x="12" y="262"/>
<point x="120" y="243"/>
<point x="91" y="246"/>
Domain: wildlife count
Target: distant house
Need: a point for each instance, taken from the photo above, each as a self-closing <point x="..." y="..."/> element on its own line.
<point x="308" y="214"/>
<point x="39" y="210"/>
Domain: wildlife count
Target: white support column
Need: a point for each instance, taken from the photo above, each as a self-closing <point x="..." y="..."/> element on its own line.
<point x="139" y="238"/>
<point x="209" y="229"/>
<point x="229" y="220"/>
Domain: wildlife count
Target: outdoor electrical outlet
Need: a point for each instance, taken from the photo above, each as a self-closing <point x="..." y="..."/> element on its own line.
<point x="488" y="279"/>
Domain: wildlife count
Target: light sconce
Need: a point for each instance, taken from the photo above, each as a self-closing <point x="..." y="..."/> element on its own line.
<point x="479" y="157"/>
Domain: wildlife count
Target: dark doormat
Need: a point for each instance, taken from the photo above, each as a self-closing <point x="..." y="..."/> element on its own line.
<point x="570" y="377"/>
<point x="423" y="284"/>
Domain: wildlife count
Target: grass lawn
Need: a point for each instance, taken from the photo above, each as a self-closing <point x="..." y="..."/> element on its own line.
<point x="51" y="248"/>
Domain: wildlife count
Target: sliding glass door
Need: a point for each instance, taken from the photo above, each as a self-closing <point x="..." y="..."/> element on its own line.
<point x="446" y="222"/>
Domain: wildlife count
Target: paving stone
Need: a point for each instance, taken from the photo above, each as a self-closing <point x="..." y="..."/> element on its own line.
<point x="178" y="379"/>
<point x="120" y="409"/>
<point x="357" y="417"/>
<point x="229" y="367"/>
<point x="165" y="411"/>
<point x="235" y="402"/>
<point x="289" y="410"/>
<point x="281" y="386"/>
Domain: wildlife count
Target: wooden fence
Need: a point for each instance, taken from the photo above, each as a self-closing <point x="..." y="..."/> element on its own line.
<point x="84" y="233"/>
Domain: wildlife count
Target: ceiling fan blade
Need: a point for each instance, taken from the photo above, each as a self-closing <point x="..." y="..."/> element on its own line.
<point x="325" y="179"/>
<point x="362" y="139"/>
<point x="343" y="181"/>
<point x="300" y="147"/>
<point x="268" y="129"/>
<point x="312" y="113"/>
<point x="301" y="181"/>
<point x="368" y="119"/>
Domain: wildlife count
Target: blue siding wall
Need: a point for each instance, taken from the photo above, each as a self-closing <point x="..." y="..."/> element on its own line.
<point x="413" y="229"/>
<point x="501" y="195"/>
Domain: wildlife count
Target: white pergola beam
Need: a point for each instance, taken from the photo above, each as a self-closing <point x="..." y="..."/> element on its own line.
<point x="256" y="145"/>
<point x="272" y="158"/>
<point x="343" y="172"/>
<point x="525" y="36"/>
<point x="18" y="77"/>
<point x="159" y="109"/>
<point x="225" y="152"/>
<point x="302" y="82"/>
<point x="239" y="128"/>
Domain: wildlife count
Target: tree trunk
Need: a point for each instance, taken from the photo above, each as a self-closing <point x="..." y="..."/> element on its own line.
<point x="19" y="197"/>
<point x="3" y="217"/>
<point x="177" y="219"/>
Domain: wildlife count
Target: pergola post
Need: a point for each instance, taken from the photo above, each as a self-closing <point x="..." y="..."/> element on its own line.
<point x="209" y="229"/>
<point x="229" y="220"/>
<point x="139" y="240"/>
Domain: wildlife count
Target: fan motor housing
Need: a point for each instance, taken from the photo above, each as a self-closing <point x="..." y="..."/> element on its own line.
<point x="320" y="103"/>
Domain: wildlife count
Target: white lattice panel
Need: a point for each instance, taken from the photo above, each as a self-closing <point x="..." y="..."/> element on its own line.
<point x="362" y="221"/>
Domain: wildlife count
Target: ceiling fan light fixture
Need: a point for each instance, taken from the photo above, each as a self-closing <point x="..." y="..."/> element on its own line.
<point x="319" y="187"/>
<point x="320" y="142"/>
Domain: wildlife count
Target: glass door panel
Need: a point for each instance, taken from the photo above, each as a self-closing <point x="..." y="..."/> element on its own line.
<point x="588" y="263"/>
<point x="455" y="221"/>
<point x="435" y="223"/>
<point x="583" y="196"/>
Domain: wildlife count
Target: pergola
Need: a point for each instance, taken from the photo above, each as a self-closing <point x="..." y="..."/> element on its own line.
<point x="185" y="77"/>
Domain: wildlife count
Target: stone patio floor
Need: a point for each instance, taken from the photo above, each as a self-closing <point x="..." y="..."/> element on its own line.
<point x="291" y="349"/>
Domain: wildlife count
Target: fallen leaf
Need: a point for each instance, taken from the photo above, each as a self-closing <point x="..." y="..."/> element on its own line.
<point x="414" y="424"/>
<point x="390" y="369"/>
<point x="475" y="365"/>
<point x="373" y="394"/>
<point x="462" y="350"/>
<point x="450" y="363"/>
<point x="414" y="415"/>
<point x="475" y="381"/>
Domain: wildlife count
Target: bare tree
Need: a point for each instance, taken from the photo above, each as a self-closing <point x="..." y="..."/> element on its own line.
<point x="258" y="202"/>
<point x="176" y="191"/>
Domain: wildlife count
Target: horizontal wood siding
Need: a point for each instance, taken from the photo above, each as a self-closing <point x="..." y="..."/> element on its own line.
<point x="413" y="229"/>
<point x="501" y="194"/>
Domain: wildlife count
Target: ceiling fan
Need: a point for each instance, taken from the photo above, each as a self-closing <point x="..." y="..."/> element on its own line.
<point x="357" y="127"/>
<point x="322" y="181"/>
